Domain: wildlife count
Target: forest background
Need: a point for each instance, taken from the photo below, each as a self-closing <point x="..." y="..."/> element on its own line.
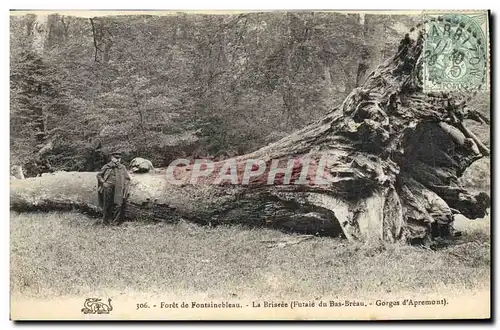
<point x="190" y="86"/>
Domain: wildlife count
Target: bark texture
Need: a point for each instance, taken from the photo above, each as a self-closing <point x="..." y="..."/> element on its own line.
<point x="393" y="152"/>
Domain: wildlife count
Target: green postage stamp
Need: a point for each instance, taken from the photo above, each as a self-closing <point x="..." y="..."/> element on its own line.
<point x="456" y="51"/>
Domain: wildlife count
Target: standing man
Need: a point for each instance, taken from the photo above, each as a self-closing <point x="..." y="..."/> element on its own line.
<point x="113" y="186"/>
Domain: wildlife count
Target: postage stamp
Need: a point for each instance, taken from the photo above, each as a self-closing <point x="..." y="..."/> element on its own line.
<point x="456" y="51"/>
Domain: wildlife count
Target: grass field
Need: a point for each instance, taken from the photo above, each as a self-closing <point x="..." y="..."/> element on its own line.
<point x="63" y="254"/>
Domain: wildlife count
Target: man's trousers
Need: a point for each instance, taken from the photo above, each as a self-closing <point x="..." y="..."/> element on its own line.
<point x="112" y="212"/>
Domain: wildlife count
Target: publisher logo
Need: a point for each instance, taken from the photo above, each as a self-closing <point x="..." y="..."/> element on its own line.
<point x="96" y="306"/>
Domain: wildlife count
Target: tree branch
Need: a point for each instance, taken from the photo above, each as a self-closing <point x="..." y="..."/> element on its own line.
<point x="95" y="40"/>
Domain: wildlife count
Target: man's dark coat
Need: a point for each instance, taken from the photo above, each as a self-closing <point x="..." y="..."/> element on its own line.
<point x="121" y="185"/>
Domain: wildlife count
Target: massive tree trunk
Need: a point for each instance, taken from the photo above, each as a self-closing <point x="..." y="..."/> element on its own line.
<point x="393" y="155"/>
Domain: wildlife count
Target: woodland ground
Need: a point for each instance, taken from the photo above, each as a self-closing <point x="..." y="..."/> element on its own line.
<point x="63" y="254"/>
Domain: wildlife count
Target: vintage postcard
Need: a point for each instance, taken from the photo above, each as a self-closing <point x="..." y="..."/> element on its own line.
<point x="260" y="165"/>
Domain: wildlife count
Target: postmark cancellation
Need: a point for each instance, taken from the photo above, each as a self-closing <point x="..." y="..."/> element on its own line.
<point x="456" y="51"/>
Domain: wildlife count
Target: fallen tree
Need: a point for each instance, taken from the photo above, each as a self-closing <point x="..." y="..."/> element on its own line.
<point x="392" y="152"/>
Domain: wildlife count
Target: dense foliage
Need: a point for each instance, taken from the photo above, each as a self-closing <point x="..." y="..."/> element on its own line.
<point x="162" y="87"/>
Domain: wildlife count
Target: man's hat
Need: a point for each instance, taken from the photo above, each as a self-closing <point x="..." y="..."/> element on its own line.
<point x="116" y="153"/>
